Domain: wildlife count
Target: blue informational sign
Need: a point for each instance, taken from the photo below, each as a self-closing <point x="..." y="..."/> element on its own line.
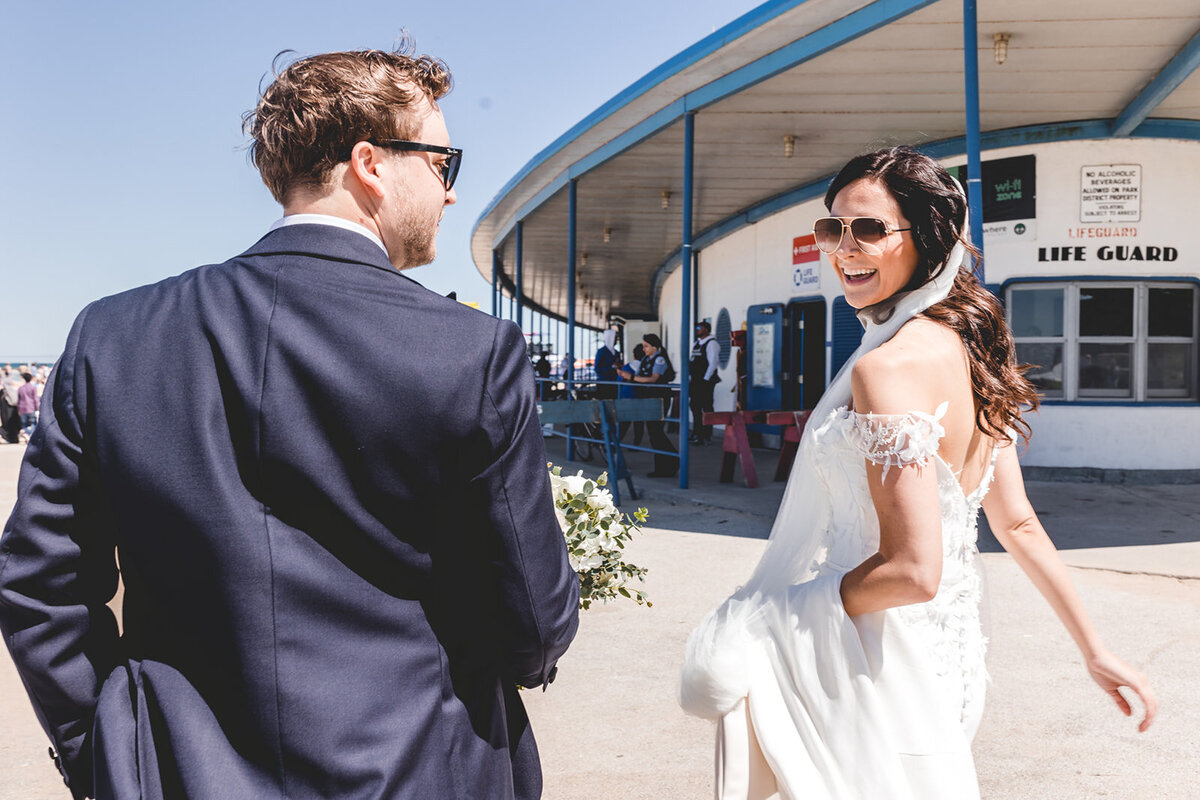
<point x="764" y="356"/>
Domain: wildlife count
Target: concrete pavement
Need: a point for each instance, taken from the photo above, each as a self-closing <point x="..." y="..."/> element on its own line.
<point x="609" y="727"/>
<point x="1153" y="529"/>
<point x="1047" y="732"/>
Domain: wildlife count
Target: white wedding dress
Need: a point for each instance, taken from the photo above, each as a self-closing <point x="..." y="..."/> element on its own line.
<point x="811" y="703"/>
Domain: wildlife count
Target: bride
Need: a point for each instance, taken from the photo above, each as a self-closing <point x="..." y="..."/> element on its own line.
<point x="850" y="665"/>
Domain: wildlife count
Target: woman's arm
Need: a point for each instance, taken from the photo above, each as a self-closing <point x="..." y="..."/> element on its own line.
<point x="1016" y="526"/>
<point x="908" y="565"/>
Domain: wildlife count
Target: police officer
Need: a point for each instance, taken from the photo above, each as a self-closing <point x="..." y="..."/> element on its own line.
<point x="702" y="379"/>
<point x="656" y="368"/>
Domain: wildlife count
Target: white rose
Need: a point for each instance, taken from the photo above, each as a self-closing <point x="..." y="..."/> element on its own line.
<point x="575" y="483"/>
<point x="601" y="499"/>
<point x="590" y="562"/>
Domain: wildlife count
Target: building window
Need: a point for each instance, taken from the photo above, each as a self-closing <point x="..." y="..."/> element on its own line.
<point x="1093" y="340"/>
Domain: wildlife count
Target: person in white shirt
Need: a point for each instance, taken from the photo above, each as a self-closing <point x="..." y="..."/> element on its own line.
<point x="703" y="378"/>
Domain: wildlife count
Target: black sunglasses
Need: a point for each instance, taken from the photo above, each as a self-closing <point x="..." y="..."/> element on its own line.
<point x="449" y="167"/>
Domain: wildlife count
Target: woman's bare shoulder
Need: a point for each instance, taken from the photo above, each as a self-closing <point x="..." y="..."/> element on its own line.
<point x="909" y="372"/>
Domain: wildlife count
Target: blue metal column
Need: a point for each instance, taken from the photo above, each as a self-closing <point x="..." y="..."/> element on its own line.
<point x="520" y="267"/>
<point x="571" y="242"/>
<point x="685" y="300"/>
<point x="495" y="277"/>
<point x="974" y="165"/>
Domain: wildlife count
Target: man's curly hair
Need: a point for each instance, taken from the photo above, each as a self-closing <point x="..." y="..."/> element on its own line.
<point x="321" y="106"/>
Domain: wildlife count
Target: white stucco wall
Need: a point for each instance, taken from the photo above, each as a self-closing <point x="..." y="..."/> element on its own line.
<point x="1078" y="435"/>
<point x="753" y="265"/>
<point x="1170" y="188"/>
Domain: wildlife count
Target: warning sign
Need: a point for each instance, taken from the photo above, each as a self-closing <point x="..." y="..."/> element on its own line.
<point x="1110" y="193"/>
<point x="804" y="249"/>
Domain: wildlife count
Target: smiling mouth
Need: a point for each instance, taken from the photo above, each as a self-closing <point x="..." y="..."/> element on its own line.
<point x="855" y="276"/>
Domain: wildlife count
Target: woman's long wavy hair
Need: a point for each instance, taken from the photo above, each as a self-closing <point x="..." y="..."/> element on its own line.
<point x="935" y="207"/>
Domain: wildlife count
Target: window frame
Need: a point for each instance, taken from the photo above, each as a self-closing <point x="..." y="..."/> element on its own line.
<point x="1140" y="340"/>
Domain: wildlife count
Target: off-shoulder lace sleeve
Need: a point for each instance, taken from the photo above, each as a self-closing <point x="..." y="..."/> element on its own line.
<point x="897" y="439"/>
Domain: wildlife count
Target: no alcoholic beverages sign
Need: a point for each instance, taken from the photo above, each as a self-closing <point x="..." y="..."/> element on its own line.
<point x="1110" y="193"/>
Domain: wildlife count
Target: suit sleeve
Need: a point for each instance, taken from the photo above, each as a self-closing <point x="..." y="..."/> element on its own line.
<point x="537" y="588"/>
<point x="57" y="571"/>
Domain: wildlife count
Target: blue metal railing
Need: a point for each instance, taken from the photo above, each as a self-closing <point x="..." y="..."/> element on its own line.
<point x="572" y="387"/>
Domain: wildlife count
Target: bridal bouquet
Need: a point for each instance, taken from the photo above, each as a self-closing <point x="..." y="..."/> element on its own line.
<point x="596" y="532"/>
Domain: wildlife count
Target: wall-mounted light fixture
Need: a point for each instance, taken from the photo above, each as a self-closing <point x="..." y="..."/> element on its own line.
<point x="666" y="200"/>
<point x="789" y="146"/>
<point x="607" y="235"/>
<point x="1000" y="47"/>
<point x="583" y="259"/>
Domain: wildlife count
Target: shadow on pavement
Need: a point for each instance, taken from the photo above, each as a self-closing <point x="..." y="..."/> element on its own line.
<point x="1078" y="516"/>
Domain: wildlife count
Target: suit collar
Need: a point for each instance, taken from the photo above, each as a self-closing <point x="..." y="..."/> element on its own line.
<point x="322" y="241"/>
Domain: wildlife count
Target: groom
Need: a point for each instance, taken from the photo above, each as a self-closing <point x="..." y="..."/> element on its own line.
<point x="331" y="589"/>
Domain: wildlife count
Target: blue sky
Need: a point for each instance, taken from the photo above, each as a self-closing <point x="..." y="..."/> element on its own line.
<point x="122" y="142"/>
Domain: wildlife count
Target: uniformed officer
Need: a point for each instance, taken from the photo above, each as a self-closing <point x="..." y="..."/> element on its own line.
<point x="702" y="379"/>
<point x="656" y="368"/>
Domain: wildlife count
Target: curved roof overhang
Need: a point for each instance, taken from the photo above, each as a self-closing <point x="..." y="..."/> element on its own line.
<point x="842" y="77"/>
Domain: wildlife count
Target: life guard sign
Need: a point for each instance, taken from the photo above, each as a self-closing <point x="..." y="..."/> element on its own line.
<point x="806" y="262"/>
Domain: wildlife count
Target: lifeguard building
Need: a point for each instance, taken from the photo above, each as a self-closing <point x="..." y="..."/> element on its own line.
<point x="691" y="195"/>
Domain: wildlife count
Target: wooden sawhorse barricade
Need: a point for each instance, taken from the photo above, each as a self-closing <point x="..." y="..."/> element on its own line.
<point x="735" y="445"/>
<point x="607" y="414"/>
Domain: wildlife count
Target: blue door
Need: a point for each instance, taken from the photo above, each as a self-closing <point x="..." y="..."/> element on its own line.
<point x="847" y="334"/>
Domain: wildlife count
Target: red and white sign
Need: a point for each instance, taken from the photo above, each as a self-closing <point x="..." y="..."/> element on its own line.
<point x="804" y="250"/>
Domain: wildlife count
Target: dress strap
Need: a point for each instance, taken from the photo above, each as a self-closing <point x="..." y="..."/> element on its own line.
<point x="897" y="440"/>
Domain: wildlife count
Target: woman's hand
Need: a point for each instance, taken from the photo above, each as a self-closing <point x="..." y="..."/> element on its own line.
<point x="1111" y="673"/>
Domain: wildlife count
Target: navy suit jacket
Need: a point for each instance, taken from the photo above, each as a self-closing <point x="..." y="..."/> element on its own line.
<point x="326" y="489"/>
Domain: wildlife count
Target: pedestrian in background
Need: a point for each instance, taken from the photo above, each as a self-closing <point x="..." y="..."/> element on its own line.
<point x="541" y="369"/>
<point x="656" y="368"/>
<point x="10" y="416"/>
<point x="28" y="403"/>
<point x="627" y="391"/>
<point x="702" y="380"/>
<point x="605" y="363"/>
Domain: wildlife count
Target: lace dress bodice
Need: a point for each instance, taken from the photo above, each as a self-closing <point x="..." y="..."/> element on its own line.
<point x="949" y="624"/>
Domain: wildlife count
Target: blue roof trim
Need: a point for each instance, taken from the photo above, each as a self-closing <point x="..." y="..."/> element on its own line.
<point x="748" y="22"/>
<point x="1166" y="81"/>
<point x="946" y="148"/>
<point x="850" y="27"/>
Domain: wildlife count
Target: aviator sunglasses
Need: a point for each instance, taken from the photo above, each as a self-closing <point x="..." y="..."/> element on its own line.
<point x="448" y="168"/>
<point x="867" y="233"/>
